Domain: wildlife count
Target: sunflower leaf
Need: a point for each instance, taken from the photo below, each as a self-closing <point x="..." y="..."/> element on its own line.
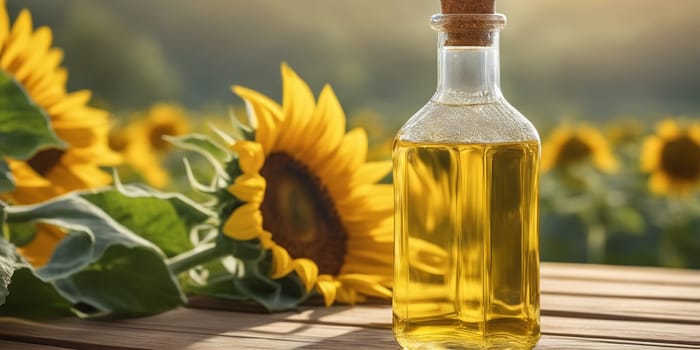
<point x="7" y="180"/>
<point x="8" y="263"/>
<point x="25" y="290"/>
<point x="101" y="265"/>
<point x="275" y="295"/>
<point x="115" y="284"/>
<point x="241" y="131"/>
<point x="24" y="126"/>
<point x="201" y="144"/>
<point x="164" y="219"/>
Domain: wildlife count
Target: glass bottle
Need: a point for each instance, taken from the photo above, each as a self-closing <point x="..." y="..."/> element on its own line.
<point x="466" y="265"/>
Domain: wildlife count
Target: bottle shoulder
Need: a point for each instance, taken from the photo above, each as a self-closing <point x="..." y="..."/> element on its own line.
<point x="493" y="122"/>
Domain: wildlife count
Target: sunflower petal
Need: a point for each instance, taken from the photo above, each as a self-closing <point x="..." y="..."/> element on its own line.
<point x="370" y="173"/>
<point x="266" y="115"/>
<point x="651" y="153"/>
<point x="348" y="295"/>
<point x="245" y="223"/>
<point x="250" y="156"/>
<point x="70" y="101"/>
<point x="4" y="22"/>
<point x="41" y="248"/>
<point x="327" y="287"/>
<point x="249" y="188"/>
<point x="297" y="107"/>
<point x="282" y="263"/>
<point x="307" y="271"/>
<point x="77" y="176"/>
<point x="364" y="284"/>
<point x="18" y="37"/>
<point x="659" y="183"/>
<point x="326" y="127"/>
<point x="668" y="129"/>
<point x="35" y="54"/>
<point x="347" y="158"/>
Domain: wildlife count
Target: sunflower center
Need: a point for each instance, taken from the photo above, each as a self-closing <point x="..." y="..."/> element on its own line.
<point x="43" y="161"/>
<point x="156" y="134"/>
<point x="573" y="151"/>
<point x="680" y="158"/>
<point x="301" y="214"/>
<point x="118" y="142"/>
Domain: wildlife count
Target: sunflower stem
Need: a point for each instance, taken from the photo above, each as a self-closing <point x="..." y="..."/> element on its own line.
<point x="195" y="257"/>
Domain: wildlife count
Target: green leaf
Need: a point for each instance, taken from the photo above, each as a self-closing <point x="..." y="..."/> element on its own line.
<point x="33" y="298"/>
<point x="8" y="264"/>
<point x="164" y="219"/>
<point x="214" y="154"/>
<point x="201" y="144"/>
<point x="124" y="281"/>
<point x="96" y="244"/>
<point x="21" y="234"/>
<point x="24" y="126"/>
<point x="625" y="219"/>
<point x="7" y="180"/>
<point x="275" y="295"/>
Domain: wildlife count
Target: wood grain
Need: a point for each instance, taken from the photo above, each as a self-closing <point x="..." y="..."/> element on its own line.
<point x="583" y="307"/>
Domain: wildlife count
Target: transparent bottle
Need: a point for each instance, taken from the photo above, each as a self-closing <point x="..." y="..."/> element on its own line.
<point x="466" y="264"/>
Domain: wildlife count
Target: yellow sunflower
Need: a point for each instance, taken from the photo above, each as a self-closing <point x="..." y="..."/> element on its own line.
<point x="142" y="142"/>
<point x="672" y="156"/>
<point x="26" y="55"/>
<point x="626" y="130"/>
<point x="568" y="145"/>
<point x="311" y="197"/>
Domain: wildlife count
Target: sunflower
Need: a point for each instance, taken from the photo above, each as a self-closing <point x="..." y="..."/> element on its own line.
<point x="26" y="55"/>
<point x="567" y="145"/>
<point x="625" y="131"/>
<point x="142" y="142"/>
<point x="310" y="196"/>
<point x="672" y="156"/>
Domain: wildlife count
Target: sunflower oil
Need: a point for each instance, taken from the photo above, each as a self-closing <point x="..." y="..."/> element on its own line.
<point x="466" y="248"/>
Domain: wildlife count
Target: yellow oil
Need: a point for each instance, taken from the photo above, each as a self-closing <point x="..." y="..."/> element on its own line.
<point x="466" y="269"/>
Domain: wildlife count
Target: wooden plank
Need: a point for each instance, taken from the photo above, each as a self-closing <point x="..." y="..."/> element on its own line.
<point x="650" y="332"/>
<point x="625" y="290"/>
<point x="293" y="326"/>
<point x="621" y="274"/>
<point x="271" y="335"/>
<point x="379" y="317"/>
<point x="11" y="345"/>
<point x="667" y="311"/>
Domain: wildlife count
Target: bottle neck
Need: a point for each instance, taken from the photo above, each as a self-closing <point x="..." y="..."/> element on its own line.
<point x="468" y="74"/>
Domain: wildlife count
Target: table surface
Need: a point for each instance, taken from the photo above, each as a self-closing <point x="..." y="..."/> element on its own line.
<point x="583" y="307"/>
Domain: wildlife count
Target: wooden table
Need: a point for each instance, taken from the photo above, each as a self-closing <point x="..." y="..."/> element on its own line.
<point x="583" y="307"/>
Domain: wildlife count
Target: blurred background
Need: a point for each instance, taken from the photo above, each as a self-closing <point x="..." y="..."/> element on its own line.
<point x="621" y="66"/>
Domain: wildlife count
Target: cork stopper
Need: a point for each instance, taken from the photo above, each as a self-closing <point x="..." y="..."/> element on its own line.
<point x="468" y="22"/>
<point x="468" y="6"/>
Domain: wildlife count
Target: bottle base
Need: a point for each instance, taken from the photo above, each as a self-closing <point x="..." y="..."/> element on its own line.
<point x="454" y="343"/>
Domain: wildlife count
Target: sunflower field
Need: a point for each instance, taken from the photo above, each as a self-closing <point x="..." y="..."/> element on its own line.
<point x="275" y="202"/>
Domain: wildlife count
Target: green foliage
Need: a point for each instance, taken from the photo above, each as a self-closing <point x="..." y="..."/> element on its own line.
<point x="164" y="219"/>
<point x="201" y="144"/>
<point x="34" y="298"/>
<point x="247" y="278"/>
<point x="126" y="281"/>
<point x="96" y="242"/>
<point x="24" y="126"/>
<point x="207" y="148"/>
<point x="7" y="180"/>
<point x="8" y="263"/>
